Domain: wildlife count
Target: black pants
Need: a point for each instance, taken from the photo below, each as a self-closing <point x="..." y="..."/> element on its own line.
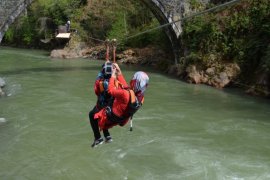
<point x="94" y="124"/>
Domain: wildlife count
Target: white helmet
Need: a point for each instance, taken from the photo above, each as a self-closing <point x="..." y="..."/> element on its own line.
<point x="139" y="82"/>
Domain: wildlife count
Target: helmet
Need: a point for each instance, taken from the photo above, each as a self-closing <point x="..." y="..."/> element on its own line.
<point x="107" y="70"/>
<point x="139" y="82"/>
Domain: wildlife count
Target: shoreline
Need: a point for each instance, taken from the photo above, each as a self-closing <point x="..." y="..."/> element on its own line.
<point x="155" y="58"/>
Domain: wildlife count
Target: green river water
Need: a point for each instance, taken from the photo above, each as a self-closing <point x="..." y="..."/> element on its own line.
<point x="183" y="131"/>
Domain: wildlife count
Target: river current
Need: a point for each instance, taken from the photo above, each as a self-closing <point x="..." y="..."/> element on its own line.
<point x="183" y="131"/>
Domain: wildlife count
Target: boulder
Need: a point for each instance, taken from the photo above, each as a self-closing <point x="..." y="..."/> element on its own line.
<point x="129" y="52"/>
<point x="223" y="78"/>
<point x="218" y="76"/>
<point x="59" y="53"/>
<point x="2" y="85"/>
<point x="193" y="76"/>
<point x="2" y="82"/>
<point x="232" y="70"/>
<point x="2" y="93"/>
<point x="220" y="80"/>
<point x="127" y="57"/>
<point x="66" y="54"/>
<point x="2" y="120"/>
<point x="210" y="71"/>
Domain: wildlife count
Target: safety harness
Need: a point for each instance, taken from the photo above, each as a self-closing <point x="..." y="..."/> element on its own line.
<point x="132" y="108"/>
<point x="104" y="98"/>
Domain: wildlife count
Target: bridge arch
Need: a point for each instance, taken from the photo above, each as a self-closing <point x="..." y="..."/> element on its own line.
<point x="11" y="9"/>
<point x="168" y="11"/>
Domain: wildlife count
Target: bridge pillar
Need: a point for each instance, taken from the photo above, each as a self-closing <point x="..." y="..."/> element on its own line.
<point x="9" y="11"/>
<point x="168" y="11"/>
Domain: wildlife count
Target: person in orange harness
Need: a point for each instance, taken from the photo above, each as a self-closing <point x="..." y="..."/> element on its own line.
<point x="103" y="99"/>
<point x="126" y="100"/>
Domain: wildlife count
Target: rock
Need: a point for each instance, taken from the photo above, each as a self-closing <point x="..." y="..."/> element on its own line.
<point x="212" y="76"/>
<point x="2" y="93"/>
<point x="2" y="82"/>
<point x="127" y="57"/>
<point x="193" y="75"/>
<point x="232" y="70"/>
<point x="258" y="90"/>
<point x="221" y="80"/>
<point x="224" y="79"/>
<point x="2" y="85"/>
<point x="3" y="120"/>
<point x="58" y="53"/>
<point x="129" y="52"/>
<point x="93" y="53"/>
<point x="252" y="91"/>
<point x="66" y="54"/>
<point x="204" y="79"/>
<point x="210" y="71"/>
<point x="176" y="70"/>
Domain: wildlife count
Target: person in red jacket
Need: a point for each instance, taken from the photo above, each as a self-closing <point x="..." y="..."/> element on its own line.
<point x="127" y="100"/>
<point x="103" y="99"/>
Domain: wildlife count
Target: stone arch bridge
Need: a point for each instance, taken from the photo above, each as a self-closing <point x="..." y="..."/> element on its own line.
<point x="166" y="11"/>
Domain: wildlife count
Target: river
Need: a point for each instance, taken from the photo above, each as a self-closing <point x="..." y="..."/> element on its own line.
<point x="183" y="131"/>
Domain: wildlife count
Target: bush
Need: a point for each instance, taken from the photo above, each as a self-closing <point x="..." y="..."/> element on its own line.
<point x="240" y="34"/>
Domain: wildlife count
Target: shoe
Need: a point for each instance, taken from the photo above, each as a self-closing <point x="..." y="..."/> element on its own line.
<point x="97" y="142"/>
<point x="108" y="139"/>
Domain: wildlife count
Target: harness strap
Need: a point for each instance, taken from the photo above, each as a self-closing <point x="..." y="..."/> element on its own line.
<point x="116" y="119"/>
<point x="132" y="96"/>
<point x="101" y="86"/>
<point x="112" y="117"/>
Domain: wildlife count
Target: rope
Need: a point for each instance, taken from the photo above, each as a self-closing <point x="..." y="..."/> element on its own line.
<point x="114" y="43"/>
<point x="251" y="87"/>
<point x="185" y="18"/>
<point x="167" y="24"/>
<point x="97" y="39"/>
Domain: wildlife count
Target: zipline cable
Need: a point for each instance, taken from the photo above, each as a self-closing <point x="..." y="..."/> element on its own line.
<point x="182" y="19"/>
<point x="185" y="18"/>
<point x="252" y="87"/>
<point x="97" y="39"/>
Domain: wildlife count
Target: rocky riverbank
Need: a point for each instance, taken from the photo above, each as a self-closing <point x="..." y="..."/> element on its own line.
<point x="218" y="75"/>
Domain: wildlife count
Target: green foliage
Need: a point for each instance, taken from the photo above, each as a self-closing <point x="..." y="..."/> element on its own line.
<point x="193" y="58"/>
<point x="27" y="31"/>
<point x="157" y="37"/>
<point x="100" y="19"/>
<point x="196" y="5"/>
<point x="265" y="63"/>
<point x="119" y="29"/>
<point x="9" y="35"/>
<point x="239" y="34"/>
<point x="121" y="20"/>
<point x="22" y="34"/>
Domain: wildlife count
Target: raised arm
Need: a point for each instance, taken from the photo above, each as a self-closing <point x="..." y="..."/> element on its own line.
<point x="113" y="89"/>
